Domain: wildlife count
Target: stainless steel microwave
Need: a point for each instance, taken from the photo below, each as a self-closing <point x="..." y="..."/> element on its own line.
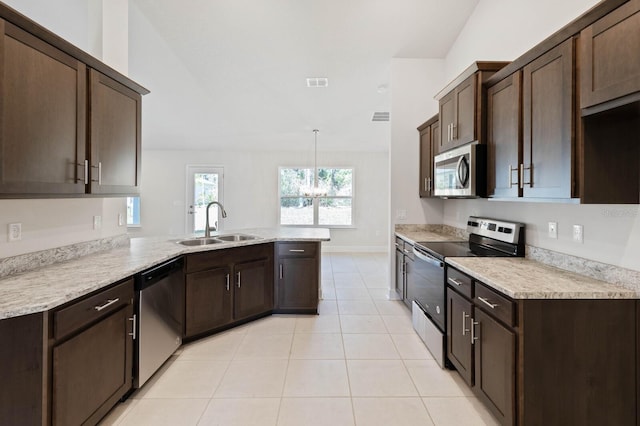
<point x="461" y="172"/>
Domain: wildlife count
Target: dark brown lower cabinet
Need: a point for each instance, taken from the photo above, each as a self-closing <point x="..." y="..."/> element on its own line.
<point x="91" y="367"/>
<point x="223" y="287"/>
<point x="495" y="366"/>
<point x="458" y="335"/>
<point x="547" y="361"/>
<point x="208" y="298"/>
<point x="298" y="271"/>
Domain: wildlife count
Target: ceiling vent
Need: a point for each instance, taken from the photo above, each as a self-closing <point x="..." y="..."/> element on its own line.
<point x="380" y="116"/>
<point x="317" y="82"/>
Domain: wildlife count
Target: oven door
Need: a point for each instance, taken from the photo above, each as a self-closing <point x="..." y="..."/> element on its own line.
<point x="425" y="286"/>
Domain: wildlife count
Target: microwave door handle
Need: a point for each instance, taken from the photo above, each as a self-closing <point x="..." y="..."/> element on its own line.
<point x="461" y="181"/>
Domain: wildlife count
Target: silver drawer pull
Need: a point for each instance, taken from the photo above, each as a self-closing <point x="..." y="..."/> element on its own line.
<point x="456" y="282"/>
<point x="133" y="327"/>
<point x="296" y="250"/>
<point x="473" y="331"/>
<point x="238" y="274"/>
<point x="486" y="302"/>
<point x="107" y="304"/>
<point x="464" y="323"/>
<point x="227" y="282"/>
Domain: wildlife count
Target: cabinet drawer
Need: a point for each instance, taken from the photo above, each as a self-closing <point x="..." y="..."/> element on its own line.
<point x="459" y="281"/>
<point x="84" y="312"/>
<point x="298" y="249"/>
<point x="495" y="304"/>
<point x="399" y="244"/>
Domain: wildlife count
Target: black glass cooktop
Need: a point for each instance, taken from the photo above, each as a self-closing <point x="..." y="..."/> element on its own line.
<point x="442" y="249"/>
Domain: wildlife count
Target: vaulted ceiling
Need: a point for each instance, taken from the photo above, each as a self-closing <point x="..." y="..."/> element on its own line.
<point x="241" y="82"/>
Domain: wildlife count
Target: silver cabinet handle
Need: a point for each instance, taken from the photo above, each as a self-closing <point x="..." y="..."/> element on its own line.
<point x="454" y="131"/>
<point x="99" y="167"/>
<point x="228" y="288"/>
<point x="133" y="327"/>
<point x="455" y="282"/>
<point x="464" y="323"/>
<point x="473" y="331"/>
<point x="425" y="184"/>
<point x="281" y="273"/>
<point x="85" y="164"/>
<point x="511" y="170"/>
<point x="296" y="250"/>
<point x="522" y="169"/>
<point x="238" y="279"/>
<point x="429" y="187"/>
<point x="486" y="302"/>
<point x="107" y="304"/>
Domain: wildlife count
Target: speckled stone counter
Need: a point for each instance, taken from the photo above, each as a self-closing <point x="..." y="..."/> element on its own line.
<point x="50" y="286"/>
<point x="416" y="233"/>
<point x="521" y="278"/>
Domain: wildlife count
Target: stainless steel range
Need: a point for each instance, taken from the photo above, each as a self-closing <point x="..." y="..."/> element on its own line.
<point x="426" y="290"/>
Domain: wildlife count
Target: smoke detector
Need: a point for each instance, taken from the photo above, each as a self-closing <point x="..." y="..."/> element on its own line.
<point x="317" y="82"/>
<point x="380" y="116"/>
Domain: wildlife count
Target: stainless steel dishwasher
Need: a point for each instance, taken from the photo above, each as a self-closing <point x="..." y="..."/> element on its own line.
<point x="160" y="313"/>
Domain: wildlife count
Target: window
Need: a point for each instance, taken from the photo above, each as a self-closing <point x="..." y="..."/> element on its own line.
<point x="322" y="200"/>
<point x="133" y="211"/>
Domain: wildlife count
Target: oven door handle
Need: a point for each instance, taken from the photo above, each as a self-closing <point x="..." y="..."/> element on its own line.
<point x="427" y="258"/>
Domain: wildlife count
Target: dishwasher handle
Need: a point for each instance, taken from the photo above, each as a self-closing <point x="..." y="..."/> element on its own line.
<point x="160" y="272"/>
<point x="427" y="258"/>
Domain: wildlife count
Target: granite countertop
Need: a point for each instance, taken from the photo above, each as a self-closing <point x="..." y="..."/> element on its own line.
<point x="47" y="287"/>
<point x="414" y="236"/>
<point x="521" y="278"/>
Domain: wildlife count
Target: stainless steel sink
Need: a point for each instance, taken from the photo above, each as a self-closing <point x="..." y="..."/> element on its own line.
<point x="199" y="242"/>
<point x="236" y="237"/>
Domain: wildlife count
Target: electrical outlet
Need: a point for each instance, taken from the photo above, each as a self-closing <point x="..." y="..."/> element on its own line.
<point x="553" y="230"/>
<point x="578" y="233"/>
<point x="14" y="232"/>
<point x="120" y="219"/>
<point x="97" y="222"/>
<point x="401" y="214"/>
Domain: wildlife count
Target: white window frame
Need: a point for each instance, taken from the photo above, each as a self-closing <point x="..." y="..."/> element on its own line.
<point x="191" y="169"/>
<point x="316" y="203"/>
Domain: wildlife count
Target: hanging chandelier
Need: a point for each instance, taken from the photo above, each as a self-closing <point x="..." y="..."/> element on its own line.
<point x="309" y="190"/>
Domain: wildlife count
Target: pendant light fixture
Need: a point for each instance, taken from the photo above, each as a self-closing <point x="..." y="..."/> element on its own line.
<point x="315" y="191"/>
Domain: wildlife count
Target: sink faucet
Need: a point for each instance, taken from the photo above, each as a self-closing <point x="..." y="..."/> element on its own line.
<point x="207" y="228"/>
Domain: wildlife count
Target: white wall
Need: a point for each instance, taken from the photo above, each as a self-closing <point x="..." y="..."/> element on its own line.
<point x="251" y="191"/>
<point x="501" y="30"/>
<point x="413" y="84"/>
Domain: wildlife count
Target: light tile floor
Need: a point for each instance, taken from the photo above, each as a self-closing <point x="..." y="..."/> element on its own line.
<point x="357" y="363"/>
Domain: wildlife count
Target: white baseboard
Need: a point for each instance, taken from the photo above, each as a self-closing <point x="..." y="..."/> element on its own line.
<point x="354" y="249"/>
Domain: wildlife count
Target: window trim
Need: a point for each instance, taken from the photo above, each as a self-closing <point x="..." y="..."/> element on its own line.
<point x="316" y="204"/>
<point x="139" y="224"/>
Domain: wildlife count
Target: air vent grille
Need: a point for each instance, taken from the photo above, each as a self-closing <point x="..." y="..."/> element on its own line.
<point x="380" y="116"/>
<point x="317" y="82"/>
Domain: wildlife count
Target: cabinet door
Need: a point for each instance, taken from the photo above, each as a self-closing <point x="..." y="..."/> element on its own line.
<point x="400" y="275"/>
<point x="115" y="137"/>
<point x="208" y="300"/>
<point x="298" y="278"/>
<point x="435" y="143"/>
<point x="504" y="137"/>
<point x="609" y="60"/>
<point x="426" y="161"/>
<point x="464" y="130"/>
<point x="43" y="117"/>
<point x="458" y="334"/>
<point x="92" y="370"/>
<point x="548" y="123"/>
<point x="495" y="372"/>
<point x="447" y="121"/>
<point x="253" y="295"/>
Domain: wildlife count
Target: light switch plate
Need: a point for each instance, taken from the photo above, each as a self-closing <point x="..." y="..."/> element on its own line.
<point x="14" y="231"/>
<point x="97" y="222"/>
<point x="578" y="233"/>
<point x="553" y="230"/>
<point x="401" y="214"/>
<point x="120" y="219"/>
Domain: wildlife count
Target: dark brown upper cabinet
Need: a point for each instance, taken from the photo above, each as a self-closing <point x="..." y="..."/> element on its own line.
<point x="461" y="106"/>
<point x="504" y="137"/>
<point x="115" y="137"/>
<point x="429" y="140"/>
<point x="69" y="124"/>
<point x="43" y="102"/>
<point x="609" y="59"/>
<point x="548" y="98"/>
